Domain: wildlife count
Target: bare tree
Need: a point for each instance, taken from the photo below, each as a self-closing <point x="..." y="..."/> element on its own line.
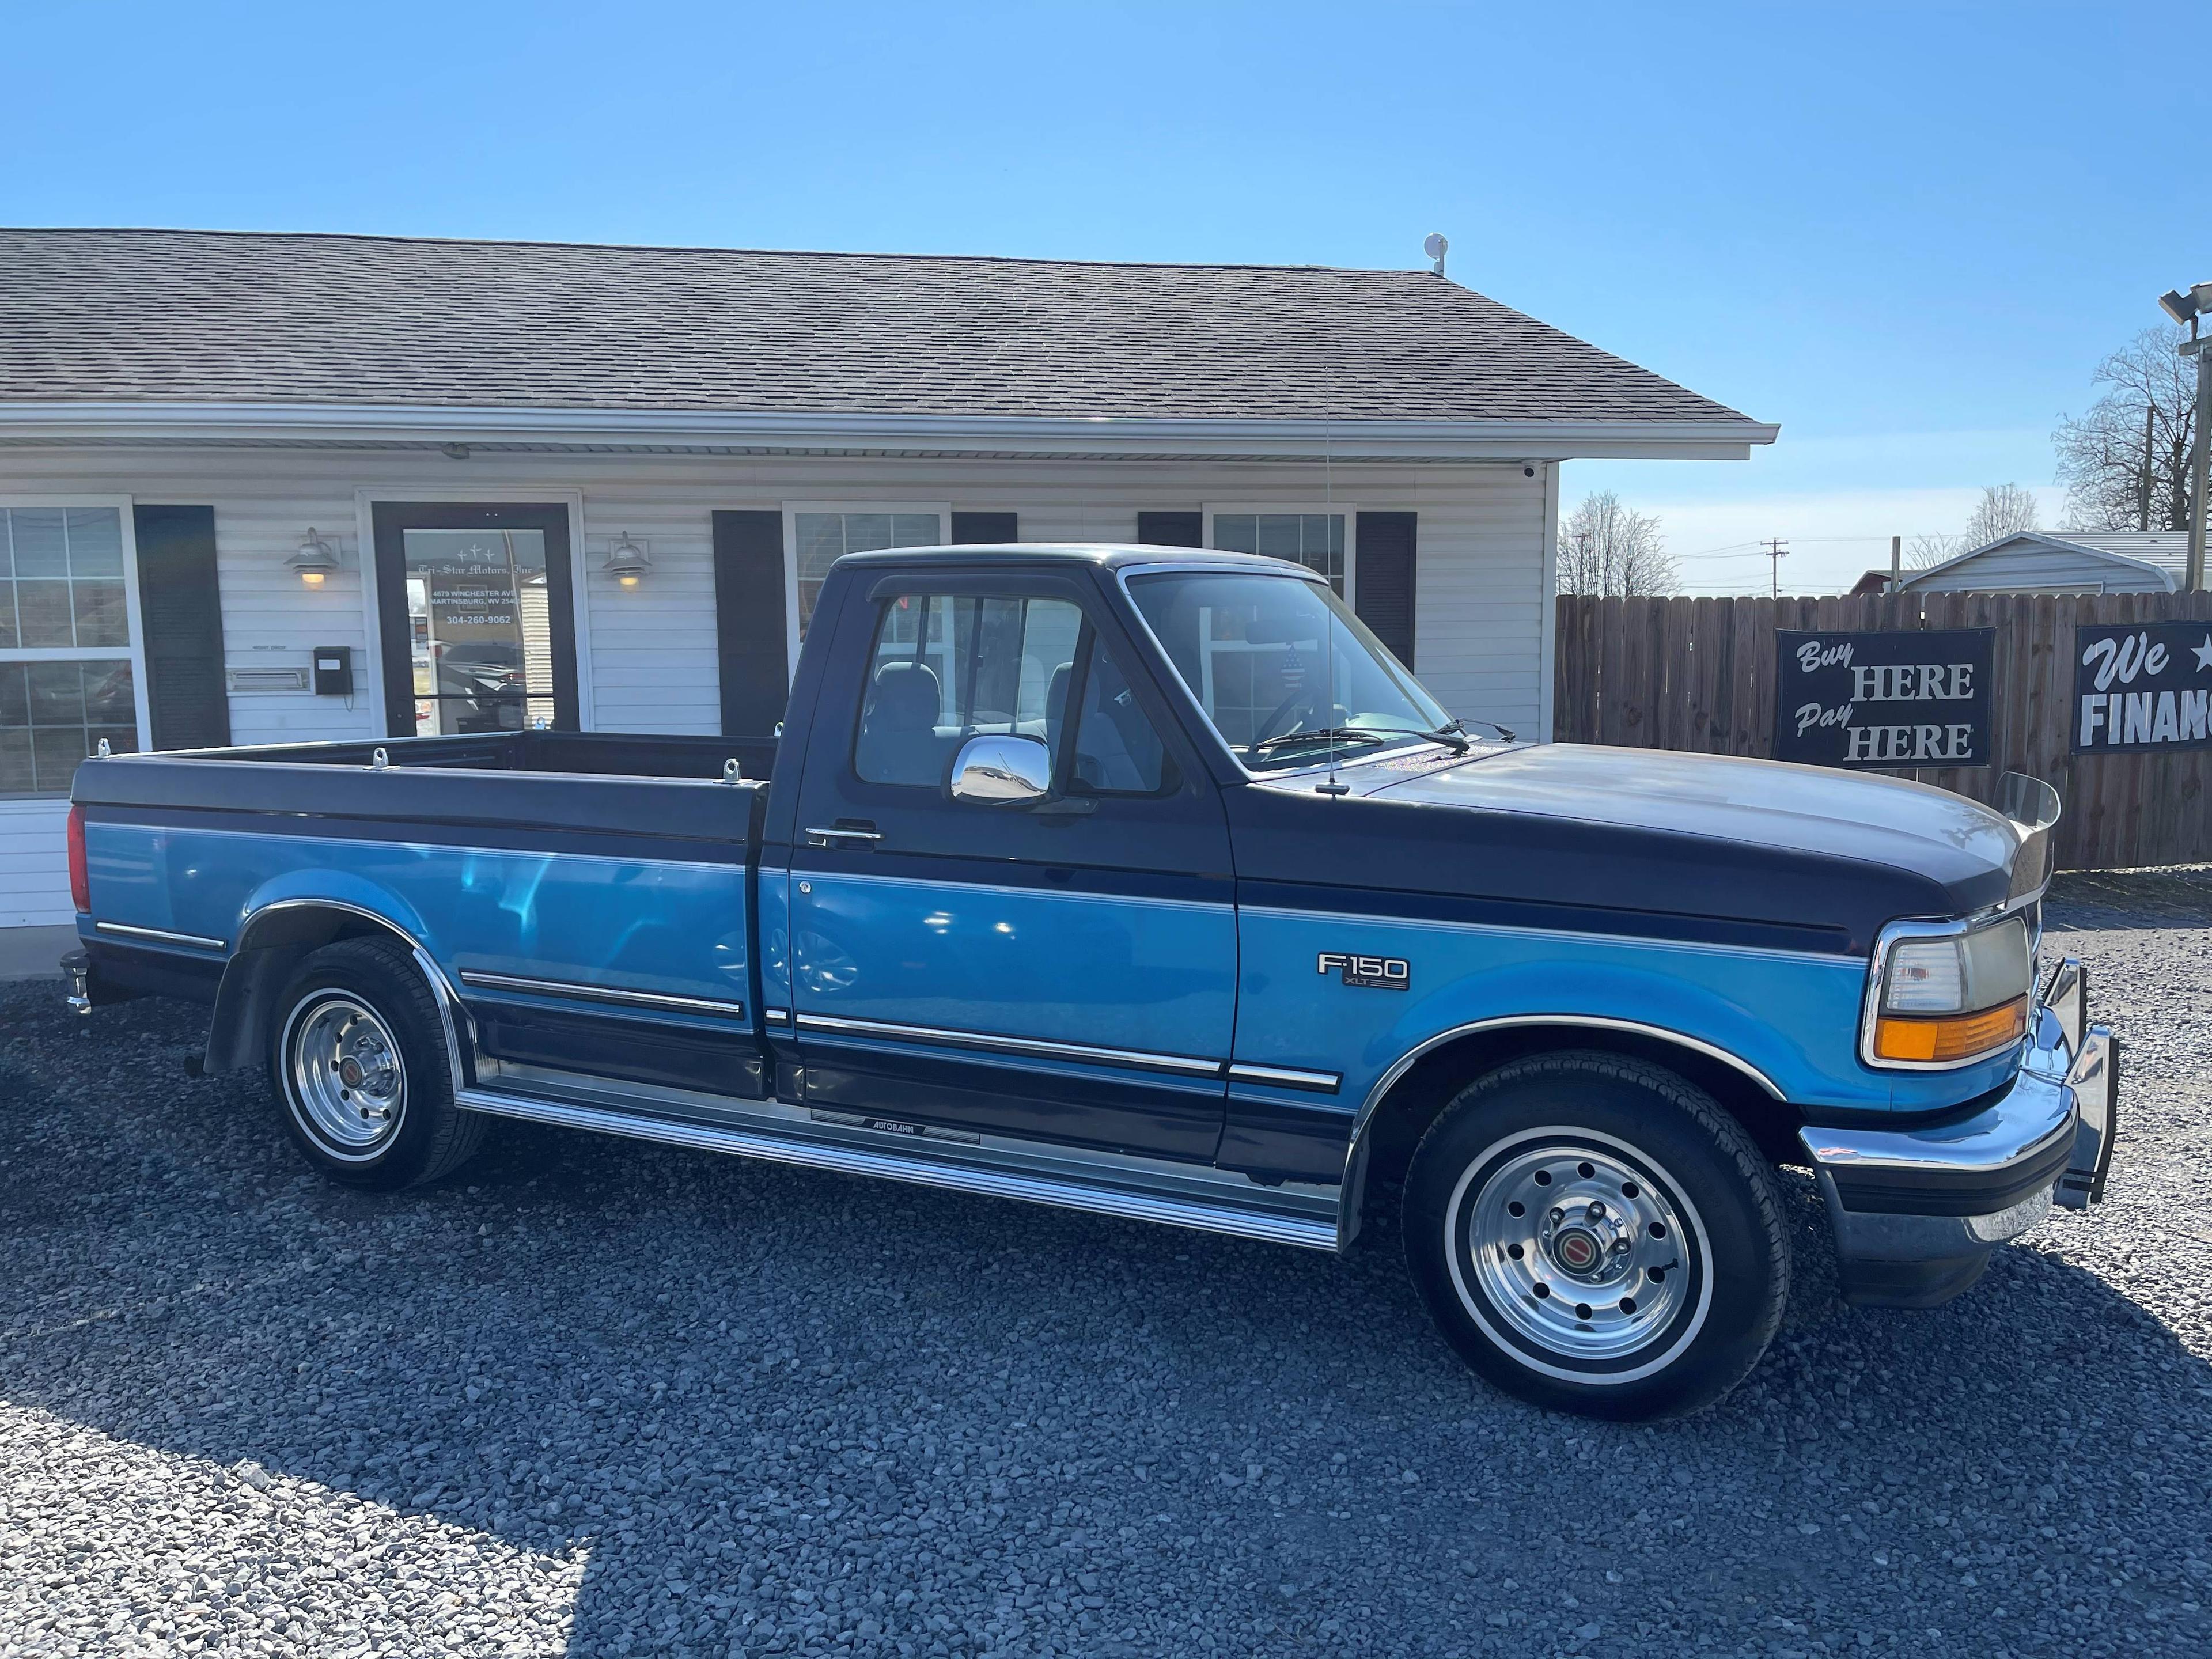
<point x="2004" y="510"/>
<point x="1921" y="551"/>
<point x="1607" y="547"/>
<point x="2124" y="461"/>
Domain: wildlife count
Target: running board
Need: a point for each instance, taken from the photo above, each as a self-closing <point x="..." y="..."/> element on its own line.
<point x="940" y="1170"/>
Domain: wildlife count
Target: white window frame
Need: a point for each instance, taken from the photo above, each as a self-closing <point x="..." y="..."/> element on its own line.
<point x="135" y="652"/>
<point x="1344" y="510"/>
<point x="791" y="512"/>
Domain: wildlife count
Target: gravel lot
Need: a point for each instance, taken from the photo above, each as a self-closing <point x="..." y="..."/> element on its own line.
<point x="619" y="1398"/>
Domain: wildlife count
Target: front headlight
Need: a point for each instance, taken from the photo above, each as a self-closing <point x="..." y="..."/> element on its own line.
<point x="1946" y="995"/>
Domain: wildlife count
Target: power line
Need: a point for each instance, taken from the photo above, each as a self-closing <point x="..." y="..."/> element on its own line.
<point x="1776" y="550"/>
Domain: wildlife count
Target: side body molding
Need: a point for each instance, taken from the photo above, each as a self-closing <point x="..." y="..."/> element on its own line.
<point x="1355" y="1158"/>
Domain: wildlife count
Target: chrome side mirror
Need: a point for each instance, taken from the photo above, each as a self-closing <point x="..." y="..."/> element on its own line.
<point x="1002" y="771"/>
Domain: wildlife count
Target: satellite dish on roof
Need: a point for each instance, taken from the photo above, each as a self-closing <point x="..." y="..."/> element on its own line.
<point x="1435" y="247"/>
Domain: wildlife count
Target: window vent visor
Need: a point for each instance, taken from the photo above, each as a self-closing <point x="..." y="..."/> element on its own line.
<point x="1950" y="1038"/>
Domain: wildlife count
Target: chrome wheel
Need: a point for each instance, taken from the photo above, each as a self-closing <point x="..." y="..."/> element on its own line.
<point x="349" y="1083"/>
<point x="1569" y="1246"/>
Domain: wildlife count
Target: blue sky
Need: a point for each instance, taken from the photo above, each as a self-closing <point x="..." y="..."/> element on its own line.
<point x="1907" y="233"/>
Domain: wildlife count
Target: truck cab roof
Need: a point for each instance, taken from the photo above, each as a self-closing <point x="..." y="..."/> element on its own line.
<point x="1110" y="555"/>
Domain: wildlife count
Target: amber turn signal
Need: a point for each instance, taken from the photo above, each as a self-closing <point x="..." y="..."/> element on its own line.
<point x="1953" y="1037"/>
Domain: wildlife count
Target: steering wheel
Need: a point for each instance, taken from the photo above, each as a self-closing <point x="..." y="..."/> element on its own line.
<point x="1274" y="720"/>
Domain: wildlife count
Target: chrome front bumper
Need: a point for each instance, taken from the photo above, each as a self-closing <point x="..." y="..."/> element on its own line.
<point x="1916" y="1213"/>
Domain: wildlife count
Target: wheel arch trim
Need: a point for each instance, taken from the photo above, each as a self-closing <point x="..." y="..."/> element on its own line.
<point x="1355" y="1161"/>
<point x="233" y="991"/>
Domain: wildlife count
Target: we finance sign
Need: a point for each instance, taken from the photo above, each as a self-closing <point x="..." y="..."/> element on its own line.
<point x="1883" y="699"/>
<point x="2141" y="686"/>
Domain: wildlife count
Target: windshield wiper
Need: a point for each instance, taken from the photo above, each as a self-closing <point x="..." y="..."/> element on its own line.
<point x="1451" y="739"/>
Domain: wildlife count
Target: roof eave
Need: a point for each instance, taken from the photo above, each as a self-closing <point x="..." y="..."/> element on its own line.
<point x="410" y="426"/>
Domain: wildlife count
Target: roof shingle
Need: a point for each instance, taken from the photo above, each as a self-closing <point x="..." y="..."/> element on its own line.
<point x="215" y="317"/>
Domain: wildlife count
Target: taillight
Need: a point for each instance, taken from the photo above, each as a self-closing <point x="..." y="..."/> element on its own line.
<point x="80" y="878"/>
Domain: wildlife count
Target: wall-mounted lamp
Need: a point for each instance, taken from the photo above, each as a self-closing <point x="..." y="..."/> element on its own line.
<point x="315" y="559"/>
<point x="627" y="561"/>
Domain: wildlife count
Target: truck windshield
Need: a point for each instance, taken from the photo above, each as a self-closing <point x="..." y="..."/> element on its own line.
<point x="1283" y="670"/>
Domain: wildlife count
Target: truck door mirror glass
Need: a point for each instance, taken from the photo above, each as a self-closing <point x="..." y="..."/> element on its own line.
<point x="1002" y="771"/>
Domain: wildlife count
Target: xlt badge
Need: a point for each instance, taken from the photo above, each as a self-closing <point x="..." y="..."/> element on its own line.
<point x="1376" y="972"/>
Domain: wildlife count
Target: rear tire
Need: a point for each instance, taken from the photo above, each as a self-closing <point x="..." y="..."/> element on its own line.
<point x="1594" y="1235"/>
<point x="357" y="1057"/>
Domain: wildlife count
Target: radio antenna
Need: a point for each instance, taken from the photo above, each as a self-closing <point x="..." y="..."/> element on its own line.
<point x="1328" y="615"/>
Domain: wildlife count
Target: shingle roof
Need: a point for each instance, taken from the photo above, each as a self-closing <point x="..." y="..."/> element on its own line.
<point x="213" y="316"/>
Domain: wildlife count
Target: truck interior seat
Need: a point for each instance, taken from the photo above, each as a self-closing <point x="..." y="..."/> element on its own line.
<point x="900" y="742"/>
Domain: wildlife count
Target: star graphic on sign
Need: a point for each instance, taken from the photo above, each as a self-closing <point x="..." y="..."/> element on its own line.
<point x="2203" y="653"/>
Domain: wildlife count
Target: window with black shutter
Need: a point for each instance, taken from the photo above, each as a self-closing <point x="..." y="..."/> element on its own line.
<point x="1383" y="596"/>
<point x="751" y="630"/>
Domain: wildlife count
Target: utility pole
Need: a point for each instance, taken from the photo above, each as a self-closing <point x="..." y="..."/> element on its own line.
<point x="2187" y="308"/>
<point x="1777" y="551"/>
<point x="2142" y="485"/>
<point x="2200" y="451"/>
<point x="1896" y="562"/>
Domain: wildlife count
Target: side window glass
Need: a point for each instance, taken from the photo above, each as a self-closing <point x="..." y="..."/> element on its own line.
<point x="948" y="667"/>
<point x="1117" y="751"/>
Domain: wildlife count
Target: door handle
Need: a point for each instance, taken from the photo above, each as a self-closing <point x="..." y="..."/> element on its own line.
<point x="842" y="834"/>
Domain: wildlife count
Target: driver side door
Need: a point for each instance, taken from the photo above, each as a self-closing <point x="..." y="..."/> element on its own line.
<point x="1063" y="969"/>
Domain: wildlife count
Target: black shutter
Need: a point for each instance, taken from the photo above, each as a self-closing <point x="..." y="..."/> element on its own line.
<point x="1171" y="529"/>
<point x="751" y="632"/>
<point x="1383" y="579"/>
<point x="975" y="529"/>
<point x="181" y="608"/>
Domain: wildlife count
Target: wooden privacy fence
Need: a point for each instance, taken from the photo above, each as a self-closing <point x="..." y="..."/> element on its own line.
<point x="1699" y="674"/>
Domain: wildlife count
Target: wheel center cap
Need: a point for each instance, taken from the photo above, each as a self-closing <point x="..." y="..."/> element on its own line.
<point x="350" y="1074"/>
<point x="1576" y="1250"/>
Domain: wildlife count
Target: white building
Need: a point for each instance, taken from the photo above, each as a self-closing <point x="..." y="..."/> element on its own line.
<point x="596" y="486"/>
<point x="2062" y="562"/>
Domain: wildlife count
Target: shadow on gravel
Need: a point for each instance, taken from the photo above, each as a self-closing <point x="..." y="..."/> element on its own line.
<point x="2181" y="897"/>
<point x="786" y="1411"/>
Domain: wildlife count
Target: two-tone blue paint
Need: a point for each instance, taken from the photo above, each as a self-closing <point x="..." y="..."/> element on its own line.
<point x="1776" y="1013"/>
<point x="677" y="927"/>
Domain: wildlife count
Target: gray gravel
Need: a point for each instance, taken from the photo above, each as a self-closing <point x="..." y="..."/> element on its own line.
<point x="630" y="1400"/>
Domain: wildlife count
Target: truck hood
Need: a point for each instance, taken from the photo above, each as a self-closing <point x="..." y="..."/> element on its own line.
<point x="1862" y="817"/>
<point x="1630" y="841"/>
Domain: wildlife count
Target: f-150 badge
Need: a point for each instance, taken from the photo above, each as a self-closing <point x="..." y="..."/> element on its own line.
<point x="1376" y="973"/>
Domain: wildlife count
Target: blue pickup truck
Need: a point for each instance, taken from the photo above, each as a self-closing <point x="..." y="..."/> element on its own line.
<point x="1149" y="883"/>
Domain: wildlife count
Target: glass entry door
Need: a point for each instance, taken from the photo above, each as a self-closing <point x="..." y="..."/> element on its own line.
<point x="478" y="623"/>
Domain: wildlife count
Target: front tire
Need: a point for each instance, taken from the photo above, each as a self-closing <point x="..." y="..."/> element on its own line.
<point x="357" y="1058"/>
<point x="1594" y="1235"/>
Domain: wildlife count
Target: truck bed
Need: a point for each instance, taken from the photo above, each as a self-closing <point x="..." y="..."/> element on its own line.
<point x="588" y="896"/>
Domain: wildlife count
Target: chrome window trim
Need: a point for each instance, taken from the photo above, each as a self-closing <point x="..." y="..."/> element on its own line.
<point x="1897" y="933"/>
<point x="160" y="936"/>
<point x="1285" y="1077"/>
<point x="593" y="993"/>
<point x="1186" y="1065"/>
<point x="1354" y="1170"/>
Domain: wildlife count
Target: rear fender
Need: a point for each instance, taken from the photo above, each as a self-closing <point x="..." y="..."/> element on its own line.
<point x="285" y="922"/>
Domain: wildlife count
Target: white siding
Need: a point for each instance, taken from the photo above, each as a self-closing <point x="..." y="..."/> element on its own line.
<point x="1479" y="645"/>
<point x="2031" y="567"/>
<point x="34" y="863"/>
